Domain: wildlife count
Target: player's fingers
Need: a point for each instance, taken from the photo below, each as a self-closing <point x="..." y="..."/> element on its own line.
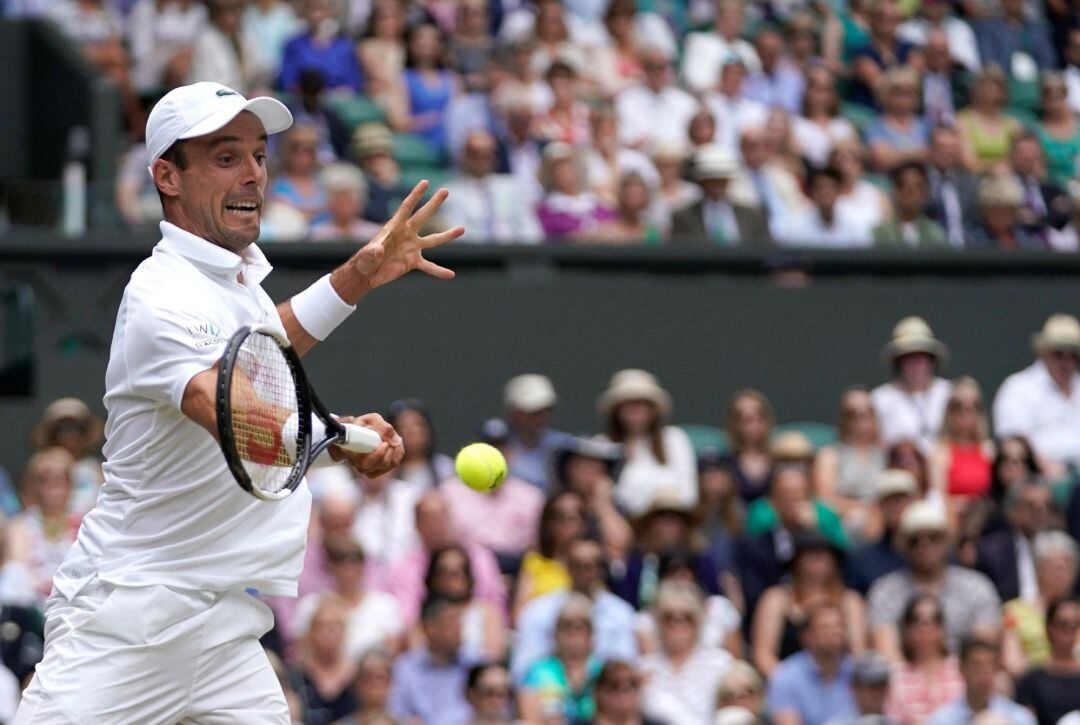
<point x="420" y="218"/>
<point x="440" y="238"/>
<point x="428" y="267"/>
<point x="405" y="210"/>
<point x="378" y="424"/>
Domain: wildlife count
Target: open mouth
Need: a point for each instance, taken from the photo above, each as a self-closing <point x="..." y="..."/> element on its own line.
<point x="243" y="208"/>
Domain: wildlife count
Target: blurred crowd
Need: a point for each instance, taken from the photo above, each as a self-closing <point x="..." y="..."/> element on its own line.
<point x="948" y="124"/>
<point x="913" y="561"/>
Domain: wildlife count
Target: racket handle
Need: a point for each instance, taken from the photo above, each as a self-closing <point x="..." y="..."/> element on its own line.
<point x="359" y="439"/>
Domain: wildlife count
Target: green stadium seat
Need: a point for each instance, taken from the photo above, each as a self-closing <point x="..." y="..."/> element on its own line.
<point x="411" y="150"/>
<point x="1023" y="98"/>
<point x="860" y="116"/>
<point x="355" y="110"/>
<point x="706" y="436"/>
<point x="437" y="176"/>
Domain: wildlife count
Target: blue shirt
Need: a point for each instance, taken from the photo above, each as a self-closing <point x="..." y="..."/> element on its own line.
<point x="534" y="464"/>
<point x="797" y="685"/>
<point x="431" y="692"/>
<point x="959" y="712"/>
<point x="336" y="61"/>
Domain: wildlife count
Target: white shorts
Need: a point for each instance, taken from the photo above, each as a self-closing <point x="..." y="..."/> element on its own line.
<point x="154" y="655"/>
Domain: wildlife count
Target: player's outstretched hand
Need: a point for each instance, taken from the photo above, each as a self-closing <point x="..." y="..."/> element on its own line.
<point x="398" y="247"/>
<point x="384" y="458"/>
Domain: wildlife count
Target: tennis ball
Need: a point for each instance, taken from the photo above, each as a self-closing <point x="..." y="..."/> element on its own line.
<point x="480" y="466"/>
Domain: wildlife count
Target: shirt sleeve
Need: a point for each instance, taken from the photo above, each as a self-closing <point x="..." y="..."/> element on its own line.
<point x="1010" y="411"/>
<point x="783" y="694"/>
<point x="986" y="600"/>
<point x="885" y="604"/>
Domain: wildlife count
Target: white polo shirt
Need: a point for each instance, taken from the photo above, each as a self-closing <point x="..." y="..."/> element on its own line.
<point x="917" y="417"/>
<point x="1030" y="404"/>
<point x="170" y="512"/>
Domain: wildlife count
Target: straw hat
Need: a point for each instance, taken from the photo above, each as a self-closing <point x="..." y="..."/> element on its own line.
<point x="713" y="161"/>
<point x="666" y="500"/>
<point x="912" y="335"/>
<point x="631" y="384"/>
<point x="893" y="481"/>
<point x="370" y="139"/>
<point x="529" y="393"/>
<point x="1059" y="332"/>
<point x="791" y="446"/>
<point x="923" y="516"/>
<point x="69" y="410"/>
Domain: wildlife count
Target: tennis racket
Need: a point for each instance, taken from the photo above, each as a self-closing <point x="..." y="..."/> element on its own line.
<point x="271" y="425"/>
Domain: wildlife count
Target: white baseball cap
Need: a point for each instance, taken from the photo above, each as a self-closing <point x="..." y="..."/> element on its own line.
<point x="202" y="108"/>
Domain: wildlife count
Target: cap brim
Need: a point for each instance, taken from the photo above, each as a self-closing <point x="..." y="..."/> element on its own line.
<point x="274" y="115"/>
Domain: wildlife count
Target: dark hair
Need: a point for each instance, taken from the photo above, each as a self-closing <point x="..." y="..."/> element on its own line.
<point x="731" y="425"/>
<point x="545" y="545"/>
<point x="404" y="405"/>
<point x="828" y="172"/>
<point x="434" y="605"/>
<point x="815" y="611"/>
<point x="997" y="486"/>
<point x="340" y="546"/>
<point x="611" y="668"/>
<point x="971" y="644"/>
<point x="902" y="168"/>
<point x="410" y="61"/>
<point x="560" y="68"/>
<point x="433" y="563"/>
<point x="617" y="433"/>
<point x="376" y="15"/>
<point x="176" y="155"/>
<point x="892" y="460"/>
<point x="908" y="618"/>
<point x="472" y="679"/>
<point x="1052" y="610"/>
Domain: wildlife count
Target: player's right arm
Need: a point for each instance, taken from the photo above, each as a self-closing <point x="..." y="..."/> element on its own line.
<point x="200" y="400"/>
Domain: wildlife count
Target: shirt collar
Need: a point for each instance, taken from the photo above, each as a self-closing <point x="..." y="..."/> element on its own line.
<point x="212" y="258"/>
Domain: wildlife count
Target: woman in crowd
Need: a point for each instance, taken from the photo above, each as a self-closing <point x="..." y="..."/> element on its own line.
<point x="69" y="424"/>
<point x="749" y="421"/>
<point x="483" y="635"/>
<point x="1014" y="463"/>
<point x="986" y="132"/>
<point x="425" y="88"/>
<point x="631" y="224"/>
<point x="589" y="468"/>
<point x="1025" y="642"/>
<point x="371" y="688"/>
<point x="845" y="473"/>
<point x="298" y="185"/>
<point x="702" y="128"/>
<point x="346" y="200"/>
<point x="720" y="511"/>
<point x="1059" y="129"/>
<point x="617" y="63"/>
<point x="324" y="673"/>
<point x="422" y="467"/>
<point x="1052" y="690"/>
<point x="607" y="162"/>
<point x="488" y="690"/>
<point x="568" y="211"/>
<point x="820" y="127"/>
<point x="618" y="696"/>
<point x="960" y="464"/>
<point x="567" y="119"/>
<point x="906" y="456"/>
<point x="543" y="569"/>
<point x="382" y="51"/>
<point x="674" y="191"/>
<point x="929" y="676"/>
<point x="742" y="686"/>
<point x="899" y="134"/>
<point x="656" y="456"/>
<point x="865" y="204"/>
<point x="564" y="681"/>
<point x="816" y="577"/>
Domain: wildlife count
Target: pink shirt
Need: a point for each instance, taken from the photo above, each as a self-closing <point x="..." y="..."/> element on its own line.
<point x="405" y="580"/>
<point x="504" y="520"/>
<point x="913" y="695"/>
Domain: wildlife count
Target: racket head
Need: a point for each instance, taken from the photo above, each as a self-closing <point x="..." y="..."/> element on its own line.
<point x="261" y="385"/>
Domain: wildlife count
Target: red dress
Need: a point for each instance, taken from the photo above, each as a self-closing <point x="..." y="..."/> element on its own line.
<point x="969" y="472"/>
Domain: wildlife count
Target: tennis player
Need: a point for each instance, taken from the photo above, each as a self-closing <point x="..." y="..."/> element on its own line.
<point x="149" y="620"/>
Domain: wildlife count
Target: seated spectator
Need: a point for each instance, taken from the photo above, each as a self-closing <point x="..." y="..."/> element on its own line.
<point x="1059" y="129"/>
<point x="815" y="577"/>
<point x="702" y="128"/>
<point x="617" y="62"/>
<point x="674" y="192"/>
<point x="895" y="489"/>
<point x="299" y="185"/>
<point x="564" y="681"/>
<point x="486" y="203"/>
<point x="781" y="143"/>
<point x="861" y="202"/>
<point x="618" y="696"/>
<point x="764" y="183"/>
<point x="1045" y="205"/>
<point x="309" y="108"/>
<point x="612" y="618"/>
<point x="371" y="689"/>
<point x="960" y="462"/>
<point x="272" y="23"/>
<point x="422" y="467"/>
<point x="382" y="52"/>
<point x="161" y="37"/>
<point x="742" y="687"/>
<point x="1001" y="199"/>
<point x="557" y="37"/>
<point x="819" y="125"/>
<point x="683" y="677"/>
<point x="483" y="632"/>
<point x="543" y="568"/>
<point x="970" y="603"/>
<point x="435" y="531"/>
<point x="1052" y="690"/>
<point x="425" y="88"/>
<point x="429" y="680"/>
<point x="589" y="467"/>
<point x="607" y="160"/>
<point x="705" y="53"/>
<point x="228" y="54"/>
<point x="899" y="134"/>
<point x="656" y="456"/>
<point x="1015" y="43"/>
<point x="870" y="686"/>
<point x="979" y="666"/>
<point x="815" y="684"/>
<point x="938" y="16"/>
<point x="791" y="496"/>
<point x="748" y="422"/>
<point x="954" y="193"/>
<point x="1040" y="403"/>
<point x="489" y="692"/>
<point x="568" y="212"/>
<point x="69" y="424"/>
<point x="631" y="224"/>
<point x="566" y="119"/>
<point x="944" y="82"/>
<point x="714" y="217"/>
<point x="1025" y="644"/>
<point x="346" y="201"/>
<point x="906" y="456"/>
<point x="1013" y="465"/>
<point x="1067" y="238"/>
<point x="372" y="145"/>
<point x="883" y="51"/>
<point x="324" y="670"/>
<point x="734" y="111"/>
<point x="986" y="132"/>
<point x="911" y="227"/>
<point x="720" y="513"/>
<point x="529" y="402"/>
<point x="911" y="406"/>
<point x="519" y="81"/>
<point x="928" y="677"/>
<point x="654" y="110"/>
<point x="823" y="225"/>
<point x="779" y="83"/>
<point x="321" y="46"/>
<point x="471" y="47"/>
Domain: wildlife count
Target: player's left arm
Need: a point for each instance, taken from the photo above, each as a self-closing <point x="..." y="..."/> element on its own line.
<point x="396" y="250"/>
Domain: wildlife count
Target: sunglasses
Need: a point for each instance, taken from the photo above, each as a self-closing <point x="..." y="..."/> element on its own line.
<point x="628" y="684"/>
<point x="919" y="539"/>
<point x="673" y="617"/>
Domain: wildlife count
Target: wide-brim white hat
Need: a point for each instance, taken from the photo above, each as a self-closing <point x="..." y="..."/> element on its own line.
<point x="1059" y="332"/>
<point x="632" y="384"/>
<point x="912" y="335"/>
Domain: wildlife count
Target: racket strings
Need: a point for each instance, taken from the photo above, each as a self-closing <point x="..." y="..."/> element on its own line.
<point x="263" y="398"/>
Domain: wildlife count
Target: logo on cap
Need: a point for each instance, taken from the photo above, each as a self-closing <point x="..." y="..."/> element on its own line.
<point x="226" y="92"/>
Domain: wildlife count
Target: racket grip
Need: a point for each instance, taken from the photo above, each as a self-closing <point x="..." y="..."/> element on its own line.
<point x="359" y="439"/>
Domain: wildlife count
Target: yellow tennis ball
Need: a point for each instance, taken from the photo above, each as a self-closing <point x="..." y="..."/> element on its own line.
<point x="480" y="466"/>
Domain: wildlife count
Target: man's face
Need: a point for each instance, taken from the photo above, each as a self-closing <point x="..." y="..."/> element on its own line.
<point x="927" y="551"/>
<point x="938" y="58"/>
<point x="979" y="670"/>
<point x="871" y="697"/>
<point x="1062" y="363"/>
<point x="790" y="497"/>
<point x="945" y="149"/>
<point x="911" y="191"/>
<point x="826" y="636"/>
<point x="753" y="148"/>
<point x="220" y="191"/>
<point x="1025" y="157"/>
<point x="657" y="71"/>
<point x="586" y="566"/>
<point x="1033" y="512"/>
<point x="479" y="157"/>
<point x="892" y="509"/>
<point x="715" y="189"/>
<point x="769" y="48"/>
<point x="443" y="631"/>
<point x="824" y="194"/>
<point x="433" y="523"/>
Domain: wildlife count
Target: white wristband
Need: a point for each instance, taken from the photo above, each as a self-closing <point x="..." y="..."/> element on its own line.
<point x="319" y="309"/>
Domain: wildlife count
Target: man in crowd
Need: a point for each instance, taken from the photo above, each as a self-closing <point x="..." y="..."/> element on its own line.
<point x="870" y="687"/>
<point x="910" y="228"/>
<point x="1045" y="204"/>
<point x="980" y="666"/>
<point x="896" y="489"/>
<point x="825" y="224"/>
<point x="714" y="218"/>
<point x="530" y="400"/>
<point x="954" y="194"/>
<point x="654" y="110"/>
<point x="1006" y="555"/>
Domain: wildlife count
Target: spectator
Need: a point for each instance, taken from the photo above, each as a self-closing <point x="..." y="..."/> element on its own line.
<point x="321" y="46"/>
<point x="426" y="88"/>
<point x="529" y="401"/>
<point x="824" y="225"/>
<point x="937" y="16"/>
<point x="617" y="60"/>
<point x="911" y="227"/>
<point x="1001" y="199"/>
<point x="1015" y="43"/>
<point x="654" y="110"/>
<point x="618" y="696"/>
<point x="486" y="203"/>
<point x="780" y="141"/>
<point x="371" y="688"/>
<point x="815" y="684"/>
<point x="702" y="128"/>
<point x="69" y="424"/>
<point x="299" y="185"/>
<point x="906" y="456"/>
<point x="870" y="687"/>
<point x="894" y="490"/>
<point x="504" y="520"/>
<point x="520" y="83"/>
<point x="862" y="203"/>
<point x="612" y="618"/>
<point x="324" y="670"/>
<point x="1005" y="554"/>
<point x="943" y="84"/>
<point x="471" y="47"/>
<point x="720" y="511"/>
<point x="543" y="569"/>
<point x="779" y="83"/>
<point x="372" y="144"/>
<point x="742" y="687"/>
<point x="683" y="677"/>
<point x="1013" y="465"/>
<point x="815" y="577"/>
<point x="568" y="212"/>
<point x="764" y="183"/>
<point x="346" y="201"/>
<point x="606" y="161"/>
<point x="631" y="224"/>
<point x="748" y="422"/>
<point x="429" y="680"/>
<point x="434" y="531"/>
<point x="554" y="41"/>
<point x="986" y="132"/>
<point x="271" y="23"/>
<point x="1026" y="645"/>
<point x="714" y="217"/>
<point x="899" y="134"/>
<point x="911" y="406"/>
<point x="1039" y="402"/>
<point x="705" y="53"/>
<point x="589" y="467"/>
<point x="929" y="676"/>
<point x="960" y="463"/>
<point x="1072" y="67"/>
<point x="1052" y="689"/>
<point x="819" y="126"/>
<point x="954" y="194"/>
<point x="483" y="633"/>
<point x="1045" y="205"/>
<point x="979" y="666"/>
<point x="968" y="598"/>
<point x="161" y="36"/>
<point x="489" y="692"/>
<point x="382" y="52"/>
<point x="674" y="192"/>
<point x="309" y="108"/>
<point x="1059" y="129"/>
<point x="656" y="456"/>
<point x="566" y="119"/>
<point x="883" y="51"/>
<point x="734" y="111"/>
<point x="563" y="682"/>
<point x="226" y="53"/>
<point x="422" y="468"/>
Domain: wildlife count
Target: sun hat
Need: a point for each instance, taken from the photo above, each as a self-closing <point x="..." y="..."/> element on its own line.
<point x="893" y="481"/>
<point x="598" y="448"/>
<point x="529" y="393"/>
<point x="372" y="139"/>
<point x="713" y="161"/>
<point x="912" y="335"/>
<point x="791" y="447"/>
<point x="64" y="410"/>
<point x="923" y="516"/>
<point x="1059" y="332"/>
<point x="633" y="384"/>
